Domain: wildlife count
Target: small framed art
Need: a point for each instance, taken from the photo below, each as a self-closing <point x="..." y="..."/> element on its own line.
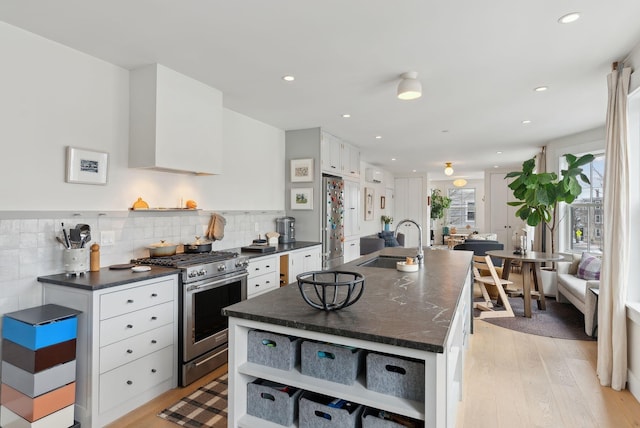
<point x="86" y="166"/>
<point x="302" y="199"/>
<point x="301" y="170"/>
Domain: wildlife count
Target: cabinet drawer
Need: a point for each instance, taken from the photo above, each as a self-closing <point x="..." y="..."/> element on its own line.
<point x="133" y="299"/>
<point x="261" y="266"/>
<point x="261" y="284"/>
<point x="125" y="351"/>
<point x="129" y="325"/>
<point x="126" y="382"/>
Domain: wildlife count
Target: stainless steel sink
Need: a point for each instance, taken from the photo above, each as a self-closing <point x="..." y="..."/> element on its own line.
<point x="385" y="262"/>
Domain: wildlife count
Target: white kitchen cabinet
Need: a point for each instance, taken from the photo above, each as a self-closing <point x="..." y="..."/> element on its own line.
<point x="409" y="204"/>
<point x="126" y="346"/>
<point x="339" y="157"/>
<point x="263" y="275"/>
<point x="502" y="217"/>
<point x="304" y="260"/>
<point x="351" y="209"/>
<point x="351" y="249"/>
<point x="175" y="122"/>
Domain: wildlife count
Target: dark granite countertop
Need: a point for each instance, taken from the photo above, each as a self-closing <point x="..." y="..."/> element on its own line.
<point x="106" y="277"/>
<point x="412" y="310"/>
<point x="281" y="248"/>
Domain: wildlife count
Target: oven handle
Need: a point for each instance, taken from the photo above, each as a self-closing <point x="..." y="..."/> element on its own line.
<point x="216" y="283"/>
<point x="199" y="363"/>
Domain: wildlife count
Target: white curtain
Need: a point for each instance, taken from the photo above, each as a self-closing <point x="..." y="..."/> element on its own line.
<point x="612" y="320"/>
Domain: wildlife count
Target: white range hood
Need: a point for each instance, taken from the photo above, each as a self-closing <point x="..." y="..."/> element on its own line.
<point x="175" y="122"/>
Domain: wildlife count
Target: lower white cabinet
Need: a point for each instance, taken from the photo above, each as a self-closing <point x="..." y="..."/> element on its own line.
<point x="126" y="346"/>
<point x="304" y="260"/>
<point x="263" y="275"/>
<point x="351" y="249"/>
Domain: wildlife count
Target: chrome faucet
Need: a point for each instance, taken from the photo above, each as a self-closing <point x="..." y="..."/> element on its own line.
<point x="420" y="255"/>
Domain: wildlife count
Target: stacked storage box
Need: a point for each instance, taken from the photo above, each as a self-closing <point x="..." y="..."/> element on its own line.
<point x="39" y="367"/>
<point x="395" y="376"/>
<point x="336" y="363"/>
<point x="322" y="411"/>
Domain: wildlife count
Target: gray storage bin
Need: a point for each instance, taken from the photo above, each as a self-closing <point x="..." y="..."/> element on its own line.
<point x="315" y="413"/>
<point x="372" y="419"/>
<point x="273" y="350"/>
<point x="395" y="376"/>
<point x="331" y="362"/>
<point x="267" y="400"/>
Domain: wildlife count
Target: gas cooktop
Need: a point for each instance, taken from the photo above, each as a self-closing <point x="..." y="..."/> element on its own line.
<point x="187" y="259"/>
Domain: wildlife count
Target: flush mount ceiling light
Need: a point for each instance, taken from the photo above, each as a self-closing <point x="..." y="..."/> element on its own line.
<point x="448" y="170"/>
<point x="569" y="18"/>
<point x="409" y="87"/>
<point x="288" y="78"/>
<point x="541" y="88"/>
<point x="460" y="182"/>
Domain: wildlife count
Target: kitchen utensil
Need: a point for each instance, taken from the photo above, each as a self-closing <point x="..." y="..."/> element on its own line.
<point x="85" y="234"/>
<point x="331" y="290"/>
<point x="259" y="249"/>
<point x="122" y="266"/>
<point x="66" y="237"/>
<point x="198" y="246"/>
<point x="74" y="238"/>
<point x="60" y="240"/>
<point x="161" y="249"/>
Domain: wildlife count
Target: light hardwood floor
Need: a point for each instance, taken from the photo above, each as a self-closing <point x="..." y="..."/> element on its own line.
<point x="511" y="379"/>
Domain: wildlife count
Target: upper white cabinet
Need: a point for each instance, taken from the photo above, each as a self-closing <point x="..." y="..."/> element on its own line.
<point x="338" y="157"/>
<point x="175" y="122"/>
<point x="351" y="208"/>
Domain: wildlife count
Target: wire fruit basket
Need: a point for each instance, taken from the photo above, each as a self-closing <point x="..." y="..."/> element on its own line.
<point x="331" y="290"/>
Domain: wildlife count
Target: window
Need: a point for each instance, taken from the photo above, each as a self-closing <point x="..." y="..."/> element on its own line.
<point x="462" y="211"/>
<point x="586" y="212"/>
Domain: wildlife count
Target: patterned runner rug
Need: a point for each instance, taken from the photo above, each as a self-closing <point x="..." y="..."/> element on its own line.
<point x="206" y="407"/>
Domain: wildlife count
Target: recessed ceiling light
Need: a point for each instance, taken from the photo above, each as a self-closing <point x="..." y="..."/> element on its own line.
<point x="498" y="152"/>
<point x="288" y="78"/>
<point x="526" y="122"/>
<point x="569" y="17"/>
<point x="346" y="115"/>
<point x="378" y="137"/>
<point x="393" y="159"/>
<point x="541" y="88"/>
<point x="414" y="170"/>
<point x="496" y="166"/>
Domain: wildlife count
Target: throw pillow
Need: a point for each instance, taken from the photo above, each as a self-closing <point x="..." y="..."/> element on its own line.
<point x="589" y="267"/>
<point x="389" y="239"/>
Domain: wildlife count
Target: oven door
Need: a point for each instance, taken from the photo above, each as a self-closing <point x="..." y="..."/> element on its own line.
<point x="204" y="326"/>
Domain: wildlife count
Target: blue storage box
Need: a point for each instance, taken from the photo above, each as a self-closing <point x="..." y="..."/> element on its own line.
<point x="41" y="326"/>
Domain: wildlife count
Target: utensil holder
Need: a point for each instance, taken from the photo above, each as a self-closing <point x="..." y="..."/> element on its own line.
<point x="75" y="260"/>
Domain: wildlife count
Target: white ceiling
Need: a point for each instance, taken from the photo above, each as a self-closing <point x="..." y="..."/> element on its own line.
<point x="478" y="62"/>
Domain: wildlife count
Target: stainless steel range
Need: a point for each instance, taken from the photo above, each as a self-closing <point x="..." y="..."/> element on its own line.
<point x="208" y="283"/>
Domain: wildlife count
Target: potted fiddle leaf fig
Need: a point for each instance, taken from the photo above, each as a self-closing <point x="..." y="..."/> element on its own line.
<point x="439" y="203"/>
<point x="539" y="194"/>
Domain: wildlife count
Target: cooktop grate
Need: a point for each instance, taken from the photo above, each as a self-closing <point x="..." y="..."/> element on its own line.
<point x="186" y="259"/>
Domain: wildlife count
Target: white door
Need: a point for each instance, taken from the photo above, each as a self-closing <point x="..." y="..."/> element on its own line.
<point x="408" y="205"/>
<point x="502" y="217"/>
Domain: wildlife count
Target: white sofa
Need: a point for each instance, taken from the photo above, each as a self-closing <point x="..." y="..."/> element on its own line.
<point x="574" y="290"/>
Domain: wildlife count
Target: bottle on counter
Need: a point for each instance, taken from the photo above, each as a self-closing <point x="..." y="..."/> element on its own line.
<point x="94" y="258"/>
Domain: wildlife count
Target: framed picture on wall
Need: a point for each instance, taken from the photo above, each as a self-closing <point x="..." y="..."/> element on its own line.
<point x="383" y="202"/>
<point x="86" y="166"/>
<point x="302" y="198"/>
<point x="368" y="203"/>
<point x="301" y="170"/>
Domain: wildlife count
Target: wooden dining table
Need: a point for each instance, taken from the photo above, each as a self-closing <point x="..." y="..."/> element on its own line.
<point x="531" y="262"/>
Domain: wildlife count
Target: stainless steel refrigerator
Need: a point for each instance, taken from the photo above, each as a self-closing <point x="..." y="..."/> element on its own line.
<point x="333" y="218"/>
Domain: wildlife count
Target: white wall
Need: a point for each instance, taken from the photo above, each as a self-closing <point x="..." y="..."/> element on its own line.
<point x="53" y="97"/>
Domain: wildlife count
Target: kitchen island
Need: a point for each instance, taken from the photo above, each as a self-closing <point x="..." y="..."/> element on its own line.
<point x="423" y="316"/>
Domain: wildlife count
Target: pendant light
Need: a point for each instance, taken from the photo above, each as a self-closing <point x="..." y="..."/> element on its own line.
<point x="460" y="182"/>
<point x="409" y="87"/>
<point x="448" y="170"/>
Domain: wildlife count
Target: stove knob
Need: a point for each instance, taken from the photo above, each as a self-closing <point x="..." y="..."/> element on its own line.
<point x="222" y="268"/>
<point x="202" y="272"/>
<point x="192" y="274"/>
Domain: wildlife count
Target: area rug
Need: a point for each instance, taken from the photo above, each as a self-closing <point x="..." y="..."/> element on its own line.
<point x="560" y="320"/>
<point x="206" y="407"/>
